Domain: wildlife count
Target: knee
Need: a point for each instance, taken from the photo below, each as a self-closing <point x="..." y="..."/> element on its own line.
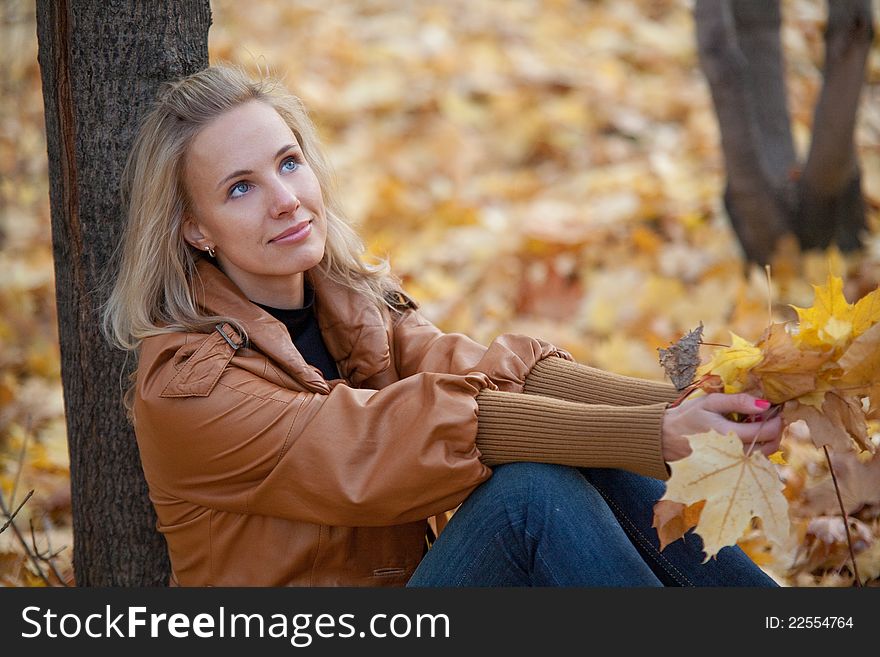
<point x="538" y="497"/>
<point x="537" y="472"/>
<point x="612" y="482"/>
<point x="535" y="481"/>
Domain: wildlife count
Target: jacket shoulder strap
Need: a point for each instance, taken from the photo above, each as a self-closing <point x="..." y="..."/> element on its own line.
<point x="203" y="368"/>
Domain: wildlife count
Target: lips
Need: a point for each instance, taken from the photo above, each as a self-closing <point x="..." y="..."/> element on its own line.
<point x="294" y="233"/>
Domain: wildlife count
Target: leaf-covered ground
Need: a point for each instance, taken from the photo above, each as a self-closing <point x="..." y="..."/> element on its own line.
<point x="545" y="166"/>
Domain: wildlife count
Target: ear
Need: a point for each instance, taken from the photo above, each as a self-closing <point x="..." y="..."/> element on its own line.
<point x="193" y="234"/>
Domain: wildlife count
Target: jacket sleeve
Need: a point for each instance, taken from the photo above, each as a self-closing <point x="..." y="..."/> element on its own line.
<point x="419" y="347"/>
<point x="353" y="457"/>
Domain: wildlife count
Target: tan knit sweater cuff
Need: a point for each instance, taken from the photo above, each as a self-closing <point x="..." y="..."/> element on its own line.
<point x="519" y="427"/>
<point x="563" y="379"/>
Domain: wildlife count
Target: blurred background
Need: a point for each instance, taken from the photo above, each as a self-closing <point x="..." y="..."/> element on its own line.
<point x="550" y="167"/>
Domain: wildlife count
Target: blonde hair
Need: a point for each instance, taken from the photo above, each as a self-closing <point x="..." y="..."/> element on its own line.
<point x="155" y="270"/>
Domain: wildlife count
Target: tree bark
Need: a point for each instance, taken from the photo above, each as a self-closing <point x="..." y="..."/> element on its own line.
<point x="102" y="63"/>
<point x="755" y="136"/>
<point x="832" y="208"/>
<point x="741" y="55"/>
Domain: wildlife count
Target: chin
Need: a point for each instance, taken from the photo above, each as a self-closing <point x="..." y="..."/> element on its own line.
<point x="306" y="261"/>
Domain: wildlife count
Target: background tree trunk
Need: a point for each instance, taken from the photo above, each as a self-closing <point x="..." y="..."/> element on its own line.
<point x="102" y="64"/>
<point x="831" y="207"/>
<point x="768" y="193"/>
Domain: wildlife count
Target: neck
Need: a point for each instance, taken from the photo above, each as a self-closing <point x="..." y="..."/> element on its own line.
<point x="285" y="292"/>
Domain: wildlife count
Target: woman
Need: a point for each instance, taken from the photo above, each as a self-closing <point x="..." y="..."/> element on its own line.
<point x="298" y="420"/>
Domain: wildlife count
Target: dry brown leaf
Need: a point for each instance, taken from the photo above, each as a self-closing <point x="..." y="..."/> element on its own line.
<point x="826" y="548"/>
<point x="840" y="424"/>
<point x="758" y="548"/>
<point x="786" y="371"/>
<point x="861" y="360"/>
<point x="846" y="411"/>
<point x="830" y="530"/>
<point x="868" y="561"/>
<point x="710" y="383"/>
<point x="672" y="520"/>
<point x="682" y="358"/>
<point x="859" y="486"/>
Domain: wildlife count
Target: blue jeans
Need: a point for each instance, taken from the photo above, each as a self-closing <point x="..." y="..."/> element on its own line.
<point x="532" y="524"/>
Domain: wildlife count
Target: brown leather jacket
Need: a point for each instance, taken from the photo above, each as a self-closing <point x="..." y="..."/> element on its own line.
<point x="262" y="473"/>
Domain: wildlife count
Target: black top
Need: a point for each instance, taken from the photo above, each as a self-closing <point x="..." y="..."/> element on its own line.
<point x="302" y="325"/>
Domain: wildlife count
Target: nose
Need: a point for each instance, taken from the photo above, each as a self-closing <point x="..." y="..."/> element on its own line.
<point x="284" y="200"/>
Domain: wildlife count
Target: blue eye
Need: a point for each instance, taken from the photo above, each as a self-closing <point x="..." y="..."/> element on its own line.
<point x="290" y="164"/>
<point x="238" y="189"/>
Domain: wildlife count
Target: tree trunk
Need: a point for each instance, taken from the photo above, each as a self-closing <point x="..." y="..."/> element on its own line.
<point x="102" y="63"/>
<point x="756" y="197"/>
<point x="741" y="55"/>
<point x="831" y="207"/>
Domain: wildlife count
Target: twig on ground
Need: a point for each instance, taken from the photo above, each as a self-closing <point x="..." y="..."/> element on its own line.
<point x="34" y="560"/>
<point x="10" y="516"/>
<point x="28" y="424"/>
<point x="849" y="542"/>
<point x="49" y="557"/>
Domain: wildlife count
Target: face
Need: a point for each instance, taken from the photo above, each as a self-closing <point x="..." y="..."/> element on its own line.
<point x="256" y="202"/>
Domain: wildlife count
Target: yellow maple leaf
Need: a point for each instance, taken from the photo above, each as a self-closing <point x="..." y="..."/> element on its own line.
<point x="733" y="363"/>
<point x="866" y="313"/>
<point x="829" y="321"/>
<point x="736" y="488"/>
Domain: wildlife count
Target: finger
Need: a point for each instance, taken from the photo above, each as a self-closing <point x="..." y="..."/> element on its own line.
<point x="760" y="443"/>
<point x="736" y="403"/>
<point x="756" y="432"/>
<point x="763" y="417"/>
<point x="766" y="447"/>
<point x="768" y="431"/>
<point x="772" y="446"/>
<point x="769" y="448"/>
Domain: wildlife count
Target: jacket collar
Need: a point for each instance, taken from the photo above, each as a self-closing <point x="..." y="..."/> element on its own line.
<point x="353" y="328"/>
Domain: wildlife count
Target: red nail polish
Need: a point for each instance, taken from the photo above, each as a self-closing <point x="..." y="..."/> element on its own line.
<point x="763" y="404"/>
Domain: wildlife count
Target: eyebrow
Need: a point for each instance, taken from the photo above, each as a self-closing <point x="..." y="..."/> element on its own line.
<point x="246" y="172"/>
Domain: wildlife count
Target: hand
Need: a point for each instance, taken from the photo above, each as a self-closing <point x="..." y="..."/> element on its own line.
<point x="705" y="413"/>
